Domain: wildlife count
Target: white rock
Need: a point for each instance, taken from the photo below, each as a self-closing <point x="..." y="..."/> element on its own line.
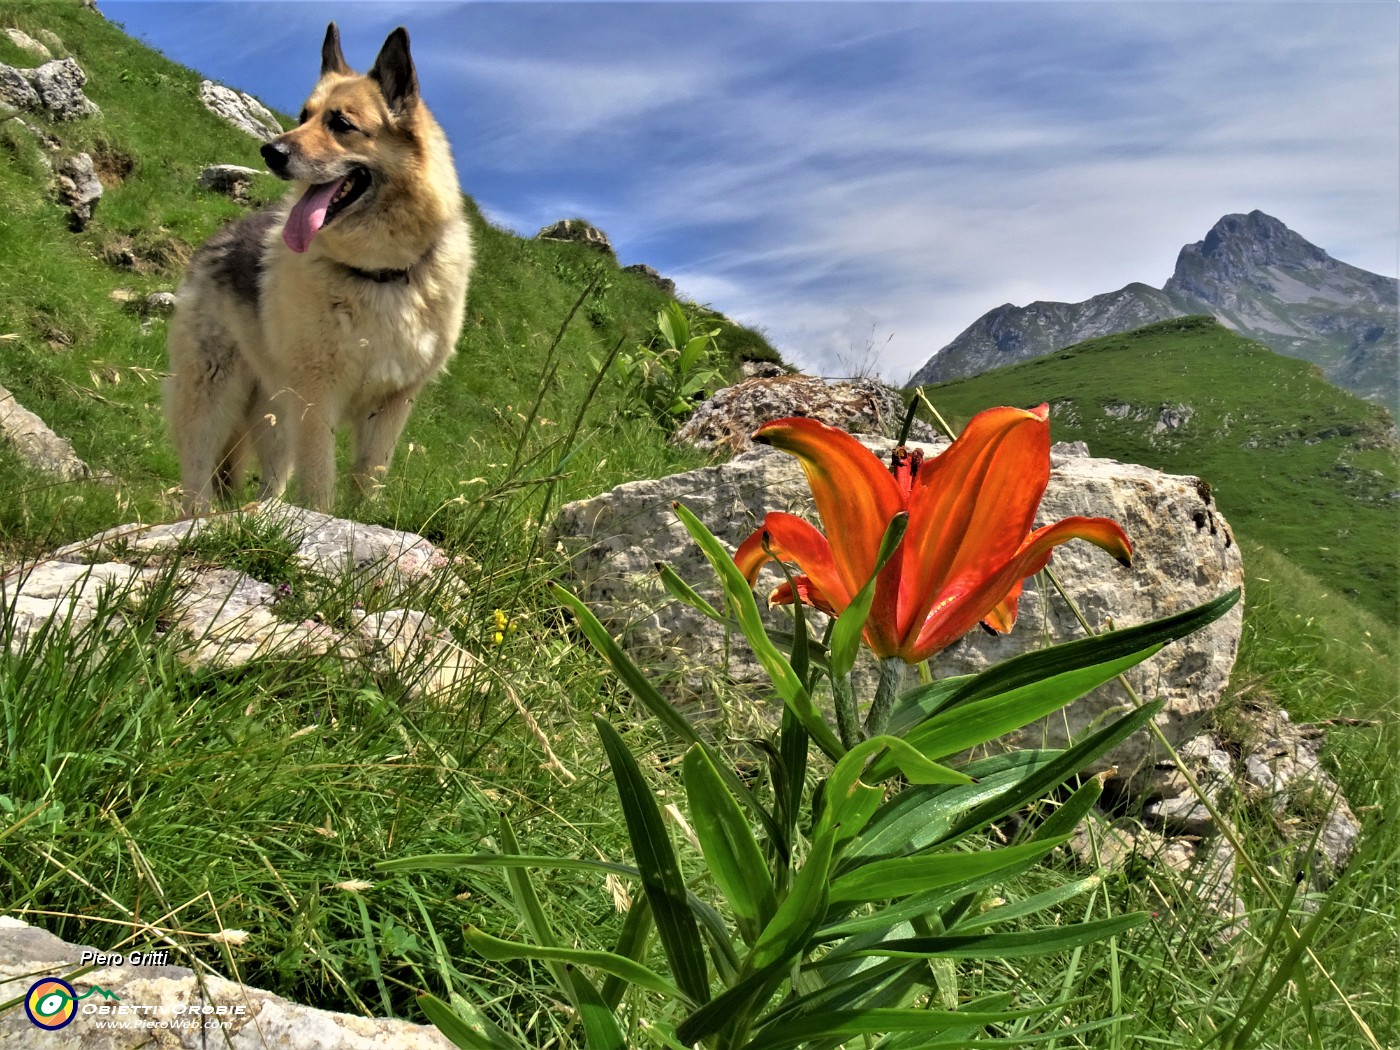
<point x="37" y="445"/>
<point x="1185" y="555"/>
<point x="243" y="111"/>
<point x="25" y="42"/>
<point x="161" y="1001"/>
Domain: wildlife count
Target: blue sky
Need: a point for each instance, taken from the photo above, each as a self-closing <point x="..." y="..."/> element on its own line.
<point x="864" y="180"/>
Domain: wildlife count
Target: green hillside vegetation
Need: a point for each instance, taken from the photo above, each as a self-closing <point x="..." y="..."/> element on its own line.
<point x="142" y="798"/>
<point x="1296" y="464"/>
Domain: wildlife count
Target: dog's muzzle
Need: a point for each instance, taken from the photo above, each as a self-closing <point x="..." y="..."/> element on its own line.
<point x="277" y="155"/>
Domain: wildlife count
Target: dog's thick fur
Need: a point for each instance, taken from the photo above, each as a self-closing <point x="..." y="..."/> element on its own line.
<point x="311" y="315"/>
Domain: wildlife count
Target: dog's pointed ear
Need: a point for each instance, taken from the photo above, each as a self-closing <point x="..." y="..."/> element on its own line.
<point x="394" y="73"/>
<point x="332" y="58"/>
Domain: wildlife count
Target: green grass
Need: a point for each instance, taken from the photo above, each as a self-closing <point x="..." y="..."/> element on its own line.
<point x="1296" y="464"/>
<point x="138" y="793"/>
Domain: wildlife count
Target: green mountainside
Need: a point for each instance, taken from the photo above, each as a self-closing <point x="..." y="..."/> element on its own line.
<point x="1296" y="464"/>
<point x="78" y="349"/>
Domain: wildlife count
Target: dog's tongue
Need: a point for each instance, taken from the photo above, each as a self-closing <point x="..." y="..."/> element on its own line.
<point x="308" y="214"/>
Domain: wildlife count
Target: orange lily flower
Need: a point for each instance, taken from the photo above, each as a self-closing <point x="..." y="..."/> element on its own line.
<point x="968" y="545"/>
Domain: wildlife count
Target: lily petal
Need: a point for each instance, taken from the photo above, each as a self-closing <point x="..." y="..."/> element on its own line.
<point x="973" y="596"/>
<point x="854" y="493"/>
<point x="806" y="590"/>
<point x="1001" y="619"/>
<point x="972" y="506"/>
<point x="791" y="539"/>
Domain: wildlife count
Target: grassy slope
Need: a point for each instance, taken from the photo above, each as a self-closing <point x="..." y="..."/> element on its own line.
<point x="1296" y="465"/>
<point x="132" y="787"/>
<point x="82" y="362"/>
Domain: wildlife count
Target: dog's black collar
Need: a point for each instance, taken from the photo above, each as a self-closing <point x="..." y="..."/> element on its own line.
<point x="379" y="276"/>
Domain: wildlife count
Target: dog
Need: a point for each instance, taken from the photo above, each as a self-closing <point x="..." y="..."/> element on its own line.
<point x="332" y="309"/>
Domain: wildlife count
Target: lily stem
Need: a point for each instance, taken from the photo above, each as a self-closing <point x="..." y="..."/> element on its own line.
<point x="891" y="675"/>
<point x="847" y="722"/>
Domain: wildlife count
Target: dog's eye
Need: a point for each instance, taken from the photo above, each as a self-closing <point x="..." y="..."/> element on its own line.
<point x="338" y="123"/>
<point x="303" y="118"/>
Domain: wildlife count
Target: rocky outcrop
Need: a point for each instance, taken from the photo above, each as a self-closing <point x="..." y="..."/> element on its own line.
<point x="726" y="421"/>
<point x="150" y="1002"/>
<point x="652" y="277"/>
<point x="1253" y="274"/>
<point x="1259" y="757"/>
<point x="1254" y="758"/>
<point x="578" y="231"/>
<point x="1185" y="555"/>
<point x="55" y="89"/>
<point x="79" y="189"/>
<point x="243" y="111"/>
<point x="38" y="446"/>
<point x="224" y="617"/>
<point x="233" y="180"/>
<point x="25" y="42"/>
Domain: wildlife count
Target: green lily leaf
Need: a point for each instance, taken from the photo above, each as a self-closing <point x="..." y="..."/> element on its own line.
<point x="775" y="664"/>
<point x="650" y="698"/>
<point x="661" y="874"/>
<point x="457" y="1031"/>
<point x="899" y="876"/>
<point x="846" y="635"/>
<point x="680" y="590"/>
<point x="847" y="1023"/>
<point x="1032" y="667"/>
<point x="1015" y="945"/>
<point x="600" y="1029"/>
<point x="731" y="853"/>
<point x="787" y="932"/>
<point x="955" y="729"/>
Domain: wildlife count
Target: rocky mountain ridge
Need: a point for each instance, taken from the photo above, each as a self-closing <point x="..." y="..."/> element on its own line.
<point x="1253" y="274"/>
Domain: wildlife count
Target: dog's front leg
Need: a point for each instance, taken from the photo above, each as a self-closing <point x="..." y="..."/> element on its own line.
<point x="315" y="460"/>
<point x="272" y="424"/>
<point x="376" y="436"/>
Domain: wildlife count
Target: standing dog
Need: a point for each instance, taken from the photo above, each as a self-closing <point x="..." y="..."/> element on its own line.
<point x="331" y="309"/>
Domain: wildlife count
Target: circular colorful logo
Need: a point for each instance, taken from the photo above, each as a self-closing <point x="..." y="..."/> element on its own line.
<point x="51" y="1003"/>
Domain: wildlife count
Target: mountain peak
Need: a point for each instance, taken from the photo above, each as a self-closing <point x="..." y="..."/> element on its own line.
<point x="1244" y="242"/>
<point x="1252" y="273"/>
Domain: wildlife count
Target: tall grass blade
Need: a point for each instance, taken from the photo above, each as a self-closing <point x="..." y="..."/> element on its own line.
<point x="446" y="1021"/>
<point x="661" y="873"/>
<point x="650" y="698"/>
<point x="775" y="664"/>
<point x="497" y="949"/>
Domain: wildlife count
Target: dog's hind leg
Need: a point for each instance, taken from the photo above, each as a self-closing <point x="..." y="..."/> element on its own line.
<point x="376" y="433"/>
<point x="207" y="398"/>
<point x="228" y="473"/>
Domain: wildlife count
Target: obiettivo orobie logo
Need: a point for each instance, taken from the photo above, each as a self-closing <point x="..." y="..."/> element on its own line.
<point x="52" y="1003"/>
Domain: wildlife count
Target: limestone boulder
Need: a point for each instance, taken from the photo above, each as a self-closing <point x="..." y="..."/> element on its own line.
<point x="223" y="617"/>
<point x="233" y="180"/>
<point x="55" y="88"/>
<point x="725" y="421"/>
<point x="60" y="87"/>
<point x="241" y="110"/>
<point x="1185" y="555"/>
<point x="79" y="189"/>
<point x="578" y="231"/>
<point x="25" y="42"/>
<point x="38" y="446"/>
<point x="154" y="1002"/>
